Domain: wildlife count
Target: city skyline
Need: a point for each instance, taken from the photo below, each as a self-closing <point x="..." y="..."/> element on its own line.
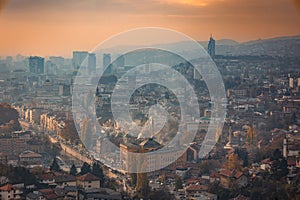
<point x="58" y="27"/>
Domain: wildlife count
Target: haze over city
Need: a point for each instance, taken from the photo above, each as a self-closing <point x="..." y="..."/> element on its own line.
<point x="150" y="99"/>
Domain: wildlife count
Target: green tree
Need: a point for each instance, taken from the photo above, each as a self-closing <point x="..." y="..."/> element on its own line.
<point x="178" y="183"/>
<point x="97" y="171"/>
<point x="133" y="179"/>
<point x="142" y="179"/>
<point x="54" y="166"/>
<point x="276" y="154"/>
<point x="69" y="132"/>
<point x="294" y="118"/>
<point x="160" y="195"/>
<point x="86" y="168"/>
<point x="73" y="170"/>
<point x="242" y="155"/>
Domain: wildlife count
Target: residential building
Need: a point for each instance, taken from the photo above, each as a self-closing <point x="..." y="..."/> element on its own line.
<point x="30" y="158"/>
<point x="8" y="192"/>
<point x="232" y="178"/>
<point x="88" y="181"/>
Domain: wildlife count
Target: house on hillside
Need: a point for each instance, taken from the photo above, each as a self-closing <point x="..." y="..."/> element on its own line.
<point x="233" y="178"/>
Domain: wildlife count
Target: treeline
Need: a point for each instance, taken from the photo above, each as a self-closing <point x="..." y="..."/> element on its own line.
<point x="8" y="118"/>
<point x="17" y="174"/>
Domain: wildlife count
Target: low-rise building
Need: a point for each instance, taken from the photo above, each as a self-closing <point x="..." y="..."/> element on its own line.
<point x="232" y="178"/>
<point x="194" y="191"/>
<point x="8" y="192"/>
<point x="65" y="180"/>
<point x="30" y="158"/>
<point x="88" y="181"/>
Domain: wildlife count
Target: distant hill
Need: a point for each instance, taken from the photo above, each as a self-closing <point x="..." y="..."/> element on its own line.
<point x="279" y="46"/>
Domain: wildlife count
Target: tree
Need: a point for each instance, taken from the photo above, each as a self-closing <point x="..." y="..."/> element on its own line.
<point x="143" y="185"/>
<point x="73" y="170"/>
<point x="133" y="179"/>
<point x="142" y="179"/>
<point x="242" y="155"/>
<point x="97" y="171"/>
<point x="160" y="195"/>
<point x="17" y="174"/>
<point x="86" y="168"/>
<point x="233" y="162"/>
<point x="293" y="118"/>
<point x="178" y="183"/>
<point x="54" y="166"/>
<point x="9" y="118"/>
<point x="276" y="154"/>
<point x="69" y="132"/>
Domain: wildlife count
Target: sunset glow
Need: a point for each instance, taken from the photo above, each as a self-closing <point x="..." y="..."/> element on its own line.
<point x="60" y="26"/>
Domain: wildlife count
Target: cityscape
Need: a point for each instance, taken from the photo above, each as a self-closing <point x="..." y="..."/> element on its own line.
<point x="203" y="119"/>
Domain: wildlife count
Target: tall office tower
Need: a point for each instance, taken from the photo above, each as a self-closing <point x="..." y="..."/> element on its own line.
<point x="106" y="60"/>
<point x="36" y="65"/>
<point x="92" y="62"/>
<point x="50" y="68"/>
<point x="57" y="60"/>
<point x="211" y="47"/>
<point x="78" y="58"/>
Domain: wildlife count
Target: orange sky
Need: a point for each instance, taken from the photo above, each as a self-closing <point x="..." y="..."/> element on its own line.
<point x="57" y="27"/>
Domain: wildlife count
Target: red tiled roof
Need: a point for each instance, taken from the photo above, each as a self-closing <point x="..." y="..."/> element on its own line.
<point x="226" y="172"/>
<point x="65" y="178"/>
<point x="51" y="196"/>
<point x="231" y="173"/>
<point x="88" y="177"/>
<point x="238" y="174"/>
<point x="2" y="154"/>
<point x="7" y="187"/>
<point x="214" y="175"/>
<point x="45" y="176"/>
<point x="196" y="188"/>
<point x="291" y="162"/>
<point x="46" y="191"/>
<point x="265" y="161"/>
<point x="191" y="181"/>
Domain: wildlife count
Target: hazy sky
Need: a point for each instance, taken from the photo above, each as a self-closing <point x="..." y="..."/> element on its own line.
<point x="57" y="27"/>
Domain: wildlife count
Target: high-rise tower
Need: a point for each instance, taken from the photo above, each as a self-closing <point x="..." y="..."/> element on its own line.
<point x="211" y="48"/>
<point x="91" y="62"/>
<point x="78" y="58"/>
<point x="36" y="65"/>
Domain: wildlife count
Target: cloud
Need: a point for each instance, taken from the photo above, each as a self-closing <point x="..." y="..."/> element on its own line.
<point x="197" y="3"/>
